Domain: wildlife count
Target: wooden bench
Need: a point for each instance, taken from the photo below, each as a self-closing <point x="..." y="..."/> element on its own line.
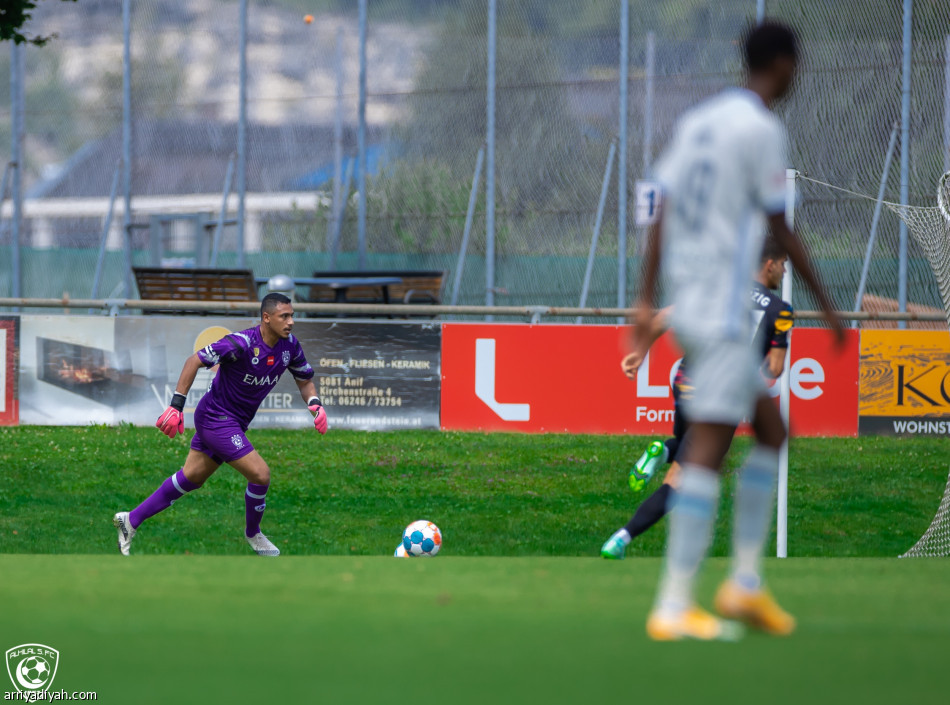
<point x="159" y="283"/>
<point x="394" y="287"/>
<point x="880" y="304"/>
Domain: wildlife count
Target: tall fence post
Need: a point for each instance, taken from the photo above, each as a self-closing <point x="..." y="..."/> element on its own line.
<point x="106" y="227"/>
<point x="338" y="225"/>
<point x="16" y="157"/>
<point x="127" y="144"/>
<point x="650" y="82"/>
<point x="604" y="187"/>
<point x="8" y="167"/>
<point x="905" y="155"/>
<point x="242" y="133"/>
<point x="337" y="140"/>
<point x="469" y="217"/>
<point x="875" y="220"/>
<point x="223" y="213"/>
<point x="3" y="193"/>
<point x="361" y="141"/>
<point x="622" y="118"/>
<point x="648" y="103"/>
<point x="490" y="161"/>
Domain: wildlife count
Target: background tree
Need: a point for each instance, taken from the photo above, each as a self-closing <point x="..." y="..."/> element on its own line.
<point x="14" y="14"/>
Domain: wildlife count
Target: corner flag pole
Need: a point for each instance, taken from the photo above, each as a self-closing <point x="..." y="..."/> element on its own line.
<point x="781" y="515"/>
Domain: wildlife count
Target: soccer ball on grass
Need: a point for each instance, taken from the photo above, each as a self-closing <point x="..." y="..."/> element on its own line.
<point x="421" y="538"/>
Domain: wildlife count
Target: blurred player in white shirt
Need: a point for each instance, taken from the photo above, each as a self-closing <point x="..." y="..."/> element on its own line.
<point x="723" y="177"/>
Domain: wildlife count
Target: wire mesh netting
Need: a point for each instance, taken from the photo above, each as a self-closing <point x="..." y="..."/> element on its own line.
<point x="931" y="229"/>
<point x="557" y="105"/>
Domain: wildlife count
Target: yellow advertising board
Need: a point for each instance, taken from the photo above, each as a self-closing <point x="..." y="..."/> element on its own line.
<point x="904" y="383"/>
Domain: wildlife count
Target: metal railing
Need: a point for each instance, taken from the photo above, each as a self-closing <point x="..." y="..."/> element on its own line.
<point x="533" y="313"/>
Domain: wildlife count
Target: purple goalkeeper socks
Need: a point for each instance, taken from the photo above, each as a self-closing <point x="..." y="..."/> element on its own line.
<point x="254" y="504"/>
<point x="161" y="499"/>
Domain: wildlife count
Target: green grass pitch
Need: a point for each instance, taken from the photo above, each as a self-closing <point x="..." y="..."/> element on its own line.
<point x="351" y="493"/>
<point x="516" y="609"/>
<point x="337" y="629"/>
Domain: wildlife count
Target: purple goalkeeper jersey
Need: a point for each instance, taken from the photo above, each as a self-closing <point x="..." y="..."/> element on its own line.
<point x="249" y="370"/>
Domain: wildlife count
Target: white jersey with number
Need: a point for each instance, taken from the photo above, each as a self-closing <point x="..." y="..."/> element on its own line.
<point x="722" y="172"/>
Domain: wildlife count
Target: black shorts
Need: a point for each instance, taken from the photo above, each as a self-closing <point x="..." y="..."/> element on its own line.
<point x="681" y="387"/>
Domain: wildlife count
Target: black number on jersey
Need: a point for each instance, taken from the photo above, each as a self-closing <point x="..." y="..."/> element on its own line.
<point x="693" y="203"/>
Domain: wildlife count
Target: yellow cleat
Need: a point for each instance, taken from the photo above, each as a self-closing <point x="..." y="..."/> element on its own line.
<point x="757" y="608"/>
<point x="692" y="623"/>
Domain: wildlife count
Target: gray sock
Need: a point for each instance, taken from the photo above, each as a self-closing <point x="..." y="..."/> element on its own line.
<point x="755" y="495"/>
<point x="692" y="517"/>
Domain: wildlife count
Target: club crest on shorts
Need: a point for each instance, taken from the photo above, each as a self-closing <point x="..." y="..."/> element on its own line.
<point x="285" y="358"/>
<point x="32" y="667"/>
<point x="237" y="441"/>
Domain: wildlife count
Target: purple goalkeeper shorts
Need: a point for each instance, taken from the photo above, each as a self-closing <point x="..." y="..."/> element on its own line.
<point x="219" y="437"/>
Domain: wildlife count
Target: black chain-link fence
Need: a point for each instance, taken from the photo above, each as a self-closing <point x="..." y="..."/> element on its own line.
<point x="557" y="114"/>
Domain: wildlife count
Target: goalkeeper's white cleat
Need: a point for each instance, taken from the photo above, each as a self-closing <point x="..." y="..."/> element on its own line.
<point x="615" y="548"/>
<point x="262" y="545"/>
<point x="121" y="522"/>
<point x="400" y="552"/>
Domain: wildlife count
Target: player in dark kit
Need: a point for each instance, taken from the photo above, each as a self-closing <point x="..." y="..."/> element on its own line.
<point x="249" y="364"/>
<point x="774" y="321"/>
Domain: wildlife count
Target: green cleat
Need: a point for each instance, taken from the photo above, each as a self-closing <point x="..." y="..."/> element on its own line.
<point x="646" y="467"/>
<point x="615" y="548"/>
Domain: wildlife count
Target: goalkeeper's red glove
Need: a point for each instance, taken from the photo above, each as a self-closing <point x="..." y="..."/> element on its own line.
<point x="319" y="414"/>
<point x="172" y="422"/>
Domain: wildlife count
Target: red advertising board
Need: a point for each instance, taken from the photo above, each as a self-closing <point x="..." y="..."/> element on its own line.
<point x="824" y="384"/>
<point x="553" y="378"/>
<point x="9" y="350"/>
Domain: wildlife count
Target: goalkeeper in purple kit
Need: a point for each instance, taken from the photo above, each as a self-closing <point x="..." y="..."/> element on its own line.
<point x="250" y="364"/>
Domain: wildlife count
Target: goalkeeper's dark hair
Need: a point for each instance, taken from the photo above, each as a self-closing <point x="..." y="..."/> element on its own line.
<point x="269" y="303"/>
<point x="772" y="249"/>
<point x="766" y="42"/>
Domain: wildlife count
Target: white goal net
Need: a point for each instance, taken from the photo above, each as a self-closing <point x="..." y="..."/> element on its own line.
<point x="931" y="229"/>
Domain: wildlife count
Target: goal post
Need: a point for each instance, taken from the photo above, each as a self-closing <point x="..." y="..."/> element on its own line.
<point x="781" y="495"/>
